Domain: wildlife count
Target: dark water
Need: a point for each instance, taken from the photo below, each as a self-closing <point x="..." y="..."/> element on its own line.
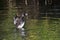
<point x="51" y="10"/>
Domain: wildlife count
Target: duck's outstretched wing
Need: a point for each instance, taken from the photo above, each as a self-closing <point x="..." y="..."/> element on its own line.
<point x="21" y="25"/>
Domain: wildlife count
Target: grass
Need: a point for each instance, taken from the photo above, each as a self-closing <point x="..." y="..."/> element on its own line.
<point x="43" y="30"/>
<point x="36" y="30"/>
